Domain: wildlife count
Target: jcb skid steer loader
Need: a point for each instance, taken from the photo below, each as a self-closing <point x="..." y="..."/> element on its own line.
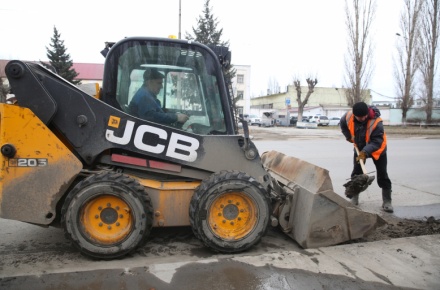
<point x="107" y="176"/>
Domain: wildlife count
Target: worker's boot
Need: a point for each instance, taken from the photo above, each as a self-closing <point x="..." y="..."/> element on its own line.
<point x="355" y="199"/>
<point x="386" y="197"/>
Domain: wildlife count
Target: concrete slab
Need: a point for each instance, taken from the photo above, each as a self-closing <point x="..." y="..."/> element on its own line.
<point x="393" y="264"/>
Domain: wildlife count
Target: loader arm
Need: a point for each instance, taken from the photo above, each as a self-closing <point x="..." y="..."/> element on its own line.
<point x="36" y="167"/>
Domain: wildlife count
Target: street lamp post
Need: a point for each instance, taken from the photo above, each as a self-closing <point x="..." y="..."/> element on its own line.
<point x="180" y="17"/>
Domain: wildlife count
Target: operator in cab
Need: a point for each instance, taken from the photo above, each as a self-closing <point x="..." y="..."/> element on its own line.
<point x="145" y="104"/>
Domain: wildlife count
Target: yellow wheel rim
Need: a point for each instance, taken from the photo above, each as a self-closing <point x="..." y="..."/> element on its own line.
<point x="106" y="219"/>
<point x="232" y="216"/>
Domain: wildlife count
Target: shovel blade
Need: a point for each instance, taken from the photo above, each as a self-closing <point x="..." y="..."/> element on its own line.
<point x="312" y="213"/>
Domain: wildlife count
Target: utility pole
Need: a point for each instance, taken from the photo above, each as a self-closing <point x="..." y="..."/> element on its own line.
<point x="180" y="17"/>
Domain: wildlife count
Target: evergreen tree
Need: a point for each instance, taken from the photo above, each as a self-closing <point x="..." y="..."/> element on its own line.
<point x="207" y="33"/>
<point x="59" y="59"/>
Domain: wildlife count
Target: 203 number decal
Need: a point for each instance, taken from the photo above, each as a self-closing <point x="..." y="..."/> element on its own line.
<point x="27" y="162"/>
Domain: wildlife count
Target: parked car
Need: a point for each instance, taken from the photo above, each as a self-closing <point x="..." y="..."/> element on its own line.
<point x="267" y="122"/>
<point x="320" y="119"/>
<point x="334" y="121"/>
<point x="268" y="119"/>
<point x="239" y="123"/>
<point x="294" y="120"/>
<point x="254" y="120"/>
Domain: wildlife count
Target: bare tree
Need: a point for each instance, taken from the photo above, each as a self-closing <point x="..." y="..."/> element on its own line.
<point x="408" y="55"/>
<point x="358" y="67"/>
<point x="430" y="29"/>
<point x="273" y="87"/>
<point x="311" y="83"/>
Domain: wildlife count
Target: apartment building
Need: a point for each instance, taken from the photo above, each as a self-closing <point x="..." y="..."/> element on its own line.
<point x="241" y="88"/>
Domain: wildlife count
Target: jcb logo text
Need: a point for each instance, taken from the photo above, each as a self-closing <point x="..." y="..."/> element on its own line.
<point x="179" y="146"/>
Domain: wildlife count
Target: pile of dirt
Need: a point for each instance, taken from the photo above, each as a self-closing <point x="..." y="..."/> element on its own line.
<point x="401" y="228"/>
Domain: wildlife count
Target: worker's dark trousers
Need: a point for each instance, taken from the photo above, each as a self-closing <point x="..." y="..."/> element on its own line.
<point x="383" y="180"/>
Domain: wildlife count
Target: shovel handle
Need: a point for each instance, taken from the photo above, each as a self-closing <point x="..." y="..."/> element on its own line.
<point x="361" y="162"/>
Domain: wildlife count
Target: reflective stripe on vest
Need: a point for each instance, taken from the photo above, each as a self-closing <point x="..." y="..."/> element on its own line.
<point x="371" y="125"/>
<point x="350" y="124"/>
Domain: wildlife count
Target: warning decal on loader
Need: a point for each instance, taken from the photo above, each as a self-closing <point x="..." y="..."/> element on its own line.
<point x="114" y="121"/>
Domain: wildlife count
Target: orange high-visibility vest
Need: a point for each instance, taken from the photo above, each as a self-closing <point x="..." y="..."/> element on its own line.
<point x="371" y="125"/>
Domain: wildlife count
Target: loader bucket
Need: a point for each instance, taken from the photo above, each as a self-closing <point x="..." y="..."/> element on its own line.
<point x="312" y="213"/>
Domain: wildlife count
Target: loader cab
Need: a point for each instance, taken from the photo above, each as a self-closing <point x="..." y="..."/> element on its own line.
<point x="193" y="81"/>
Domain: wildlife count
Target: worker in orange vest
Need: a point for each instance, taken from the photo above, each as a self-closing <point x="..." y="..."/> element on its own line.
<point x="363" y="127"/>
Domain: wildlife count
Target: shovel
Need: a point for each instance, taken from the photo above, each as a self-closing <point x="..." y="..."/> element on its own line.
<point x="358" y="183"/>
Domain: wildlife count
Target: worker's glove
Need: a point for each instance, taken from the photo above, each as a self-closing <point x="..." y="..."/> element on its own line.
<point x="362" y="155"/>
<point x="349" y="140"/>
<point x="182" y="118"/>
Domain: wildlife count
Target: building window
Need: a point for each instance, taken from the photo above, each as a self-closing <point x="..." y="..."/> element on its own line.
<point x="267" y="106"/>
<point x="240" y="79"/>
<point x="240" y="95"/>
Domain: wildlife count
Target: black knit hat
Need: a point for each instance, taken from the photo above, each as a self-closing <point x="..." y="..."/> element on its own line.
<point x="360" y="109"/>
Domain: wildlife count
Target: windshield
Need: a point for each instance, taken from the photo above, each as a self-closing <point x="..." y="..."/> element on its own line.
<point x="157" y="81"/>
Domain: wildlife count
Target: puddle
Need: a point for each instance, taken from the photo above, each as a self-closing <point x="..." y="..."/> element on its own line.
<point x="420" y="212"/>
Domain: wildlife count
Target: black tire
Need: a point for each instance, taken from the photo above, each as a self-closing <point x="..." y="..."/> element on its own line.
<point x="107" y="215"/>
<point x="230" y="212"/>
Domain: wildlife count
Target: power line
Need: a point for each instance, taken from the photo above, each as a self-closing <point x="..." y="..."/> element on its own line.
<point x="383" y="95"/>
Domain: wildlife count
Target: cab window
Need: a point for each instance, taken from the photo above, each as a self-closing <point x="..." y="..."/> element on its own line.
<point x="189" y="85"/>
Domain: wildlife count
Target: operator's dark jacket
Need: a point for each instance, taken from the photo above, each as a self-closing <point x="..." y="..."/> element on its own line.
<point x="375" y="144"/>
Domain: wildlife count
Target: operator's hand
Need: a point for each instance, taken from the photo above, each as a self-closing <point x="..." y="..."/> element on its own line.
<point x="182" y="118"/>
<point x="362" y="155"/>
<point x="349" y="140"/>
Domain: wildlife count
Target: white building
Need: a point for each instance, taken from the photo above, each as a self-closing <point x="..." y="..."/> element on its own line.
<point x="241" y="88"/>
